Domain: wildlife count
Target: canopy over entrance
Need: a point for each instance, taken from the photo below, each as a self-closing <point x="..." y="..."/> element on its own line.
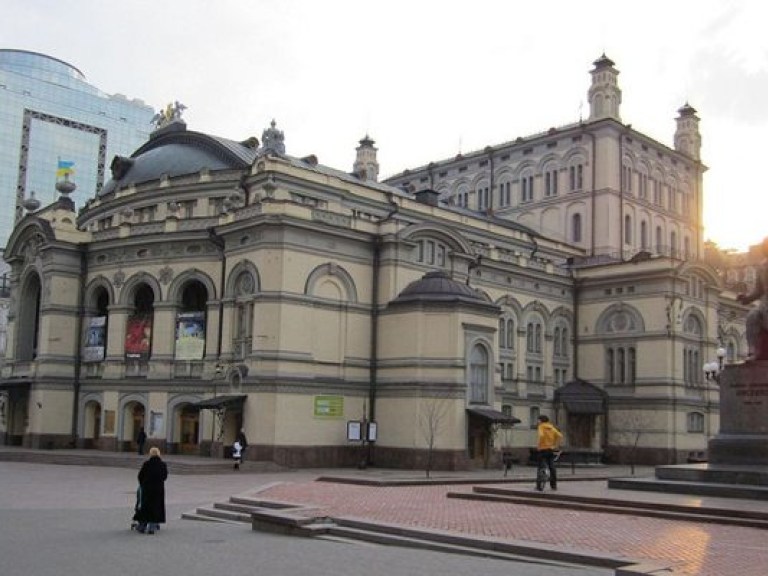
<point x="581" y="397"/>
<point x="493" y="416"/>
<point x="219" y="402"/>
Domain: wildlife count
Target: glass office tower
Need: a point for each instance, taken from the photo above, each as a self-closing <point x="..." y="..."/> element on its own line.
<point x="52" y="121"/>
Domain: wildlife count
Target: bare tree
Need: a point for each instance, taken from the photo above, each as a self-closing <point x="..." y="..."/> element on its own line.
<point x="633" y="426"/>
<point x="432" y="414"/>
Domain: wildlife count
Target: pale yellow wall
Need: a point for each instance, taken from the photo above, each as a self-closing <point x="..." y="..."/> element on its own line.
<point x="50" y="412"/>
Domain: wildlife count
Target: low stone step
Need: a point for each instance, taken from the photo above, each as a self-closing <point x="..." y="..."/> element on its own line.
<point x="634" y="508"/>
<point x="260" y="503"/>
<point x="216" y="513"/>
<point x="743" y="491"/>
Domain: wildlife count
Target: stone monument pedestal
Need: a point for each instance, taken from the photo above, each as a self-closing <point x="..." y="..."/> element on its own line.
<point x="743" y="437"/>
<point x="737" y="464"/>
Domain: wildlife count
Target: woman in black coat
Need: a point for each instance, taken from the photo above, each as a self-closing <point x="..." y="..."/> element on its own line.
<point x="152" y="478"/>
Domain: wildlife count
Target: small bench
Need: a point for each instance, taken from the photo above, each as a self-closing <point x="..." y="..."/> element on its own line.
<point x="697" y="457"/>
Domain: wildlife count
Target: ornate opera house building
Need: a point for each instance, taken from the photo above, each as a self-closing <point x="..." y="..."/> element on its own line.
<point x="213" y="285"/>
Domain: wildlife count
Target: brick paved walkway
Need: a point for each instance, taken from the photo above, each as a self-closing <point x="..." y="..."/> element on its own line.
<point x="693" y="548"/>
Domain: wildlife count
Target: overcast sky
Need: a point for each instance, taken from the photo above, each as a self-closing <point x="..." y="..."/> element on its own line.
<point x="427" y="79"/>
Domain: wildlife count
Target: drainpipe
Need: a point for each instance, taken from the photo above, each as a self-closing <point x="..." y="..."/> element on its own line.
<point x="374" y="337"/>
<point x="78" y="347"/>
<point x="594" y="183"/>
<point x="374" y="343"/>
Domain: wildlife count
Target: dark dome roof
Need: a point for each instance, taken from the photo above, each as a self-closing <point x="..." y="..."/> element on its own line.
<point x="175" y="153"/>
<point x="439" y="287"/>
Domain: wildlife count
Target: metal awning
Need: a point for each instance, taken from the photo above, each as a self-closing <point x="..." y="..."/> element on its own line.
<point x="219" y="402"/>
<point x="581" y="397"/>
<point x="584" y="406"/>
<point x="493" y="416"/>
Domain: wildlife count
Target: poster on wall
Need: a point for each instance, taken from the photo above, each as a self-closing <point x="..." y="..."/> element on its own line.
<point x="138" y="334"/>
<point x="95" y="339"/>
<point x="190" y="336"/>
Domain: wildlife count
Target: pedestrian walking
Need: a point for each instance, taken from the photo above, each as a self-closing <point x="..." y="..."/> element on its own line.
<point x="237" y="454"/>
<point x="243" y="443"/>
<point x="141" y="439"/>
<point x="152" y="477"/>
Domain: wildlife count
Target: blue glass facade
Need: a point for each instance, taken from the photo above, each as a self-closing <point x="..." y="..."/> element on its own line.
<point x="49" y="113"/>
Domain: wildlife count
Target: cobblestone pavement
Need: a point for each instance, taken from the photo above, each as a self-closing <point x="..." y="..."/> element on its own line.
<point x="691" y="547"/>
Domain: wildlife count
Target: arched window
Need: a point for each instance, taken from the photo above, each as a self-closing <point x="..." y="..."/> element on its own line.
<point x="506" y="333"/>
<point x="576" y="228"/>
<point x="550" y="180"/>
<point x="644" y="235"/>
<point x="28" y="319"/>
<point x="560" y="342"/>
<point x="576" y="176"/>
<point x="242" y="336"/>
<point x="695" y="422"/>
<point x="526" y="186"/>
<point x="659" y="241"/>
<point x="478" y="375"/>
<point x="673" y="243"/>
<point x="627" y="229"/>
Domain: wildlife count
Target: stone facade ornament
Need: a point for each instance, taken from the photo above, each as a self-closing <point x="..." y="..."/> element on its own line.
<point x="166" y="275"/>
<point x="119" y="278"/>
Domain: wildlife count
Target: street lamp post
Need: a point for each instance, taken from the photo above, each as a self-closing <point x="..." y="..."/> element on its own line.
<point x="713" y="369"/>
<point x="712" y="372"/>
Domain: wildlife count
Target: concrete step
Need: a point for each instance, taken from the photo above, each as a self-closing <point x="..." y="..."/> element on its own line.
<point x="239" y="509"/>
<point x="216" y="513"/>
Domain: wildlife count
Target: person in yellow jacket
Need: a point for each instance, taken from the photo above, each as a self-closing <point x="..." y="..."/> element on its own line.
<point x="549" y="439"/>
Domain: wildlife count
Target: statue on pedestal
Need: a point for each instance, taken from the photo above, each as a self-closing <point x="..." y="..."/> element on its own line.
<point x="757" y="319"/>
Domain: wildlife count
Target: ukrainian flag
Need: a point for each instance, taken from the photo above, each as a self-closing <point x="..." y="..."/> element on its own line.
<point x="66" y="167"/>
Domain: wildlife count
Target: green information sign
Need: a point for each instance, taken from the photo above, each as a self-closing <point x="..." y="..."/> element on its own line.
<point x="329" y="406"/>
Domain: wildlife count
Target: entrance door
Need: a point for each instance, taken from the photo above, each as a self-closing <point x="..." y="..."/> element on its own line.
<point x="477" y="441"/>
<point x="190" y="430"/>
<point x="581" y="430"/>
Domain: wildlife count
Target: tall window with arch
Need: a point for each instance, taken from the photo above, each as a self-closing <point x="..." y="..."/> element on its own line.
<point x="28" y="318"/>
<point x="478" y="375"/>
<point x="621" y="364"/>
<point x="550" y="180"/>
<point x="526" y="186"/>
<point x="576" y="177"/>
<point x="483" y="192"/>
<point x="506" y="333"/>
<point x="627" y="229"/>
<point x="576" y="234"/>
<point x="560" y="341"/>
<point x="505" y="193"/>
<point x="533" y="336"/>
<point x="242" y="335"/>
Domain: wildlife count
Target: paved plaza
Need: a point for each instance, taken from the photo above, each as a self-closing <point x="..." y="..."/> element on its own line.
<point x="74" y="520"/>
<point x="57" y="519"/>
